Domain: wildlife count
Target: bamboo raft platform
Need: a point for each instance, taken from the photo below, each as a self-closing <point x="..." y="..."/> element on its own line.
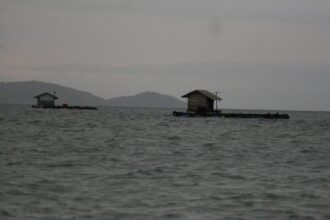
<point x="232" y="115"/>
<point x="65" y="107"/>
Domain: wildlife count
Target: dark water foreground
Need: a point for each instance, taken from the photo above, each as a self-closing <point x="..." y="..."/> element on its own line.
<point x="118" y="163"/>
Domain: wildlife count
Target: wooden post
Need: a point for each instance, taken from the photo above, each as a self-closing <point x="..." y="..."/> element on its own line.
<point x="216" y="101"/>
<point x="54" y="97"/>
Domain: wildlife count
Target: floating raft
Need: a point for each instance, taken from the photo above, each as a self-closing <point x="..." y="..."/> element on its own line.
<point x="232" y="115"/>
<point x="65" y="107"/>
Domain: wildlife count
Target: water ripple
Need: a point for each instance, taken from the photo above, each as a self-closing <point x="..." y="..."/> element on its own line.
<point x="132" y="163"/>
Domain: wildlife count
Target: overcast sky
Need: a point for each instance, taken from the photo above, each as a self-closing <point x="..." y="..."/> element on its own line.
<point x="268" y="54"/>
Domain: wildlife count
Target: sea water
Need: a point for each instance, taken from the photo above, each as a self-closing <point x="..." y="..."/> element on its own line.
<point x="135" y="163"/>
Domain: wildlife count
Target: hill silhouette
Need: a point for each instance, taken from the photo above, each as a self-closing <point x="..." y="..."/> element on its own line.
<point x="147" y="99"/>
<point x="23" y="93"/>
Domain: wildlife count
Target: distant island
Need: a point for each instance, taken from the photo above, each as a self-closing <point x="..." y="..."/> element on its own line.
<point x="147" y="99"/>
<point x="23" y="93"/>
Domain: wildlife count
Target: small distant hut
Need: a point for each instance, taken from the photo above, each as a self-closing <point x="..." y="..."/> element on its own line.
<point x="201" y="101"/>
<point x="46" y="99"/>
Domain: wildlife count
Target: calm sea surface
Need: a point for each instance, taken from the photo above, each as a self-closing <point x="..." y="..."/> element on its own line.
<point x="135" y="163"/>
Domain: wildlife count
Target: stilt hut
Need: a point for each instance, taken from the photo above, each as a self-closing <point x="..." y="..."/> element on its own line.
<point x="46" y="99"/>
<point x="201" y="101"/>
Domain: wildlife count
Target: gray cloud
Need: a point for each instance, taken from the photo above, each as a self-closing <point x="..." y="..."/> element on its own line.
<point x="297" y="11"/>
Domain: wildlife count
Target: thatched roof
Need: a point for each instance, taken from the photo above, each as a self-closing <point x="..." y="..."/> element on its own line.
<point x="204" y="93"/>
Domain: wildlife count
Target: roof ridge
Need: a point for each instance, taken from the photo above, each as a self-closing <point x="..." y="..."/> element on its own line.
<point x="203" y="92"/>
<point x="46" y="93"/>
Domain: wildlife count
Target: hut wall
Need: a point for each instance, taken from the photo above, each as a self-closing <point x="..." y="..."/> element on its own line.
<point x="198" y="102"/>
<point x="46" y="100"/>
